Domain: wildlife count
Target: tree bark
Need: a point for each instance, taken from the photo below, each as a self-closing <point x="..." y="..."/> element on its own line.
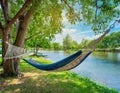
<point x="11" y="66"/>
<point x="36" y="49"/>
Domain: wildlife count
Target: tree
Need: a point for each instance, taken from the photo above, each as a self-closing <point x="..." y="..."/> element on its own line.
<point x="16" y="15"/>
<point x="38" y="42"/>
<point x="84" y="43"/>
<point x="56" y="46"/>
<point x="67" y="42"/>
<point x="74" y="44"/>
<point x="111" y="41"/>
<point x="15" y="25"/>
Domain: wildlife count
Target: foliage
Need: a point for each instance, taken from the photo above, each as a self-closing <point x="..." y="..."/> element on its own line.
<point x="38" y="41"/>
<point x="46" y="21"/>
<point x="84" y="43"/>
<point x="99" y="13"/>
<point x="49" y="20"/>
<point x="55" y="46"/>
<point x="111" y="41"/>
<point x="67" y="42"/>
<point x="74" y="44"/>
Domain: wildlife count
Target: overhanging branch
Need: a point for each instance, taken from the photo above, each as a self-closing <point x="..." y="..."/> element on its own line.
<point x="67" y="4"/>
<point x="33" y="35"/>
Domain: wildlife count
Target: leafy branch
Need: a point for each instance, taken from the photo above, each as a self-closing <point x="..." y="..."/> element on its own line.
<point x="33" y="35"/>
<point x="67" y="4"/>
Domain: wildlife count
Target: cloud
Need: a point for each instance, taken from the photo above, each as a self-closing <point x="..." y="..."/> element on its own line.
<point x="67" y="31"/>
<point x="59" y="37"/>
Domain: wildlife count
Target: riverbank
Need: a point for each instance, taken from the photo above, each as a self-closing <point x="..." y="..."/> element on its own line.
<point x="36" y="81"/>
<point x="69" y="51"/>
<point x="108" y="50"/>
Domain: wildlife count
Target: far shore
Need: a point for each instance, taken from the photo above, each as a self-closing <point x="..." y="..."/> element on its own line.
<point x="96" y="50"/>
<point x="107" y="50"/>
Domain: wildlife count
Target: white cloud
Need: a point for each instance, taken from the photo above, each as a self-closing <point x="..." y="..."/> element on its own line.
<point x="59" y="37"/>
<point x="67" y="31"/>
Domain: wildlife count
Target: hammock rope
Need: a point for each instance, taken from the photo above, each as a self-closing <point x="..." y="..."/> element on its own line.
<point x="14" y="52"/>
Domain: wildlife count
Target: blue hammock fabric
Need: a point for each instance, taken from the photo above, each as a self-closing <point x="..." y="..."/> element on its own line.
<point x="56" y="66"/>
<point x="80" y="61"/>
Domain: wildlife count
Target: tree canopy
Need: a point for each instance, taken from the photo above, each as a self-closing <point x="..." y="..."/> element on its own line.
<point x="97" y="13"/>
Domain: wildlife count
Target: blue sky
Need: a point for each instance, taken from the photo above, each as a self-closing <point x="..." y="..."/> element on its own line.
<point x="79" y="31"/>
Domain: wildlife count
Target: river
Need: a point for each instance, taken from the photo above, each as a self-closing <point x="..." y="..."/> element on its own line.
<point x="102" y="67"/>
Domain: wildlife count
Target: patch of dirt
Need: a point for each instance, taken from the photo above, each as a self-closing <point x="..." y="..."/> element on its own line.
<point x="19" y="80"/>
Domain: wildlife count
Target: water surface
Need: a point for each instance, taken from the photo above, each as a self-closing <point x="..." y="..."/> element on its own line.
<point x="102" y="67"/>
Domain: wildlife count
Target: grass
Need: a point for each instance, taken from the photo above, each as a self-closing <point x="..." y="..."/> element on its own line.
<point x="37" y="81"/>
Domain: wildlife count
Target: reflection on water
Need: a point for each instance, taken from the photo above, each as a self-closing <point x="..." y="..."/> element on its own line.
<point x="102" y="67"/>
<point x="113" y="57"/>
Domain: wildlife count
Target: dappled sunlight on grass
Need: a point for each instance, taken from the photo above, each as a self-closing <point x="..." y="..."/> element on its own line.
<point x="53" y="83"/>
<point x="37" y="81"/>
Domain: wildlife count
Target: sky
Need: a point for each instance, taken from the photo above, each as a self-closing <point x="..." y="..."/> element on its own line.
<point x="80" y="31"/>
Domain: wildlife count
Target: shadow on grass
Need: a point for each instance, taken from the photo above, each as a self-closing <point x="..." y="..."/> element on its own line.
<point x="53" y="83"/>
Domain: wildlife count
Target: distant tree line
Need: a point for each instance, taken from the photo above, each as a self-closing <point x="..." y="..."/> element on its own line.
<point x="110" y="41"/>
<point x="69" y="44"/>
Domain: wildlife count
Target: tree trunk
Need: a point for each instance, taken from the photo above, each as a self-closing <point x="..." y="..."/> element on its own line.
<point x="36" y="49"/>
<point x="10" y="66"/>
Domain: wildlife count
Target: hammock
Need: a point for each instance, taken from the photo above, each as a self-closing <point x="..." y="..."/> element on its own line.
<point x="64" y="64"/>
<point x="71" y="61"/>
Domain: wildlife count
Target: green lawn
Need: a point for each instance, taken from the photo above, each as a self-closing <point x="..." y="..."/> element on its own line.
<point x="36" y="81"/>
